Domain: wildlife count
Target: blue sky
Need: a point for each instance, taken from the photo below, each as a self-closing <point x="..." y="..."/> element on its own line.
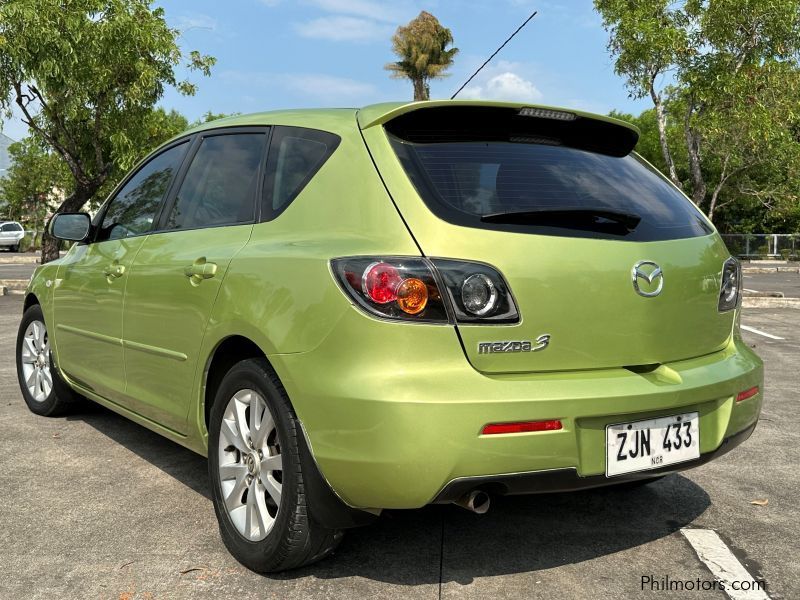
<point x="303" y="53"/>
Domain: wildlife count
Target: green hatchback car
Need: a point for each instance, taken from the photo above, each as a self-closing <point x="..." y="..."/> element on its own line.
<point x="356" y="310"/>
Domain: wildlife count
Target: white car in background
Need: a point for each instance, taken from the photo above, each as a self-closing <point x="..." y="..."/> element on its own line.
<point x="11" y="234"/>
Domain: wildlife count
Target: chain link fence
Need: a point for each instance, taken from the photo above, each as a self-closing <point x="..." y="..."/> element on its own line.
<point x="763" y="245"/>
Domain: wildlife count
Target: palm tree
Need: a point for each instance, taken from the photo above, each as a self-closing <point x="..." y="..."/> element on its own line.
<point x="422" y="48"/>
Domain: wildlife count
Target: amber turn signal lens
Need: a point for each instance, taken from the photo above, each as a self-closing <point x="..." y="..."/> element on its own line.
<point x="412" y="296"/>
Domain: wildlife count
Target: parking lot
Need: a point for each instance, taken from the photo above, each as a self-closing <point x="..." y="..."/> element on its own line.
<point x="94" y="506"/>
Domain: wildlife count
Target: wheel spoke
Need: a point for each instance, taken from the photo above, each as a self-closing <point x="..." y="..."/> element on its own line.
<point x="234" y="498"/>
<point x="250" y="509"/>
<point x="241" y="420"/>
<point x="272" y="463"/>
<point x="31" y="380"/>
<point x="232" y="471"/>
<point x="38" y="335"/>
<point x="265" y="427"/>
<point x="273" y="487"/>
<point x="47" y="381"/>
<point x="28" y="350"/>
<point x="229" y="432"/>
<point x="262" y="515"/>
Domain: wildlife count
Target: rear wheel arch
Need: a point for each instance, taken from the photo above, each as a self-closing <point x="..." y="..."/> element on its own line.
<point x="226" y="354"/>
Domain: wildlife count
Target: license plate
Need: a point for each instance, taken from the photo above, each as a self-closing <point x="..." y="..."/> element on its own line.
<point x="652" y="444"/>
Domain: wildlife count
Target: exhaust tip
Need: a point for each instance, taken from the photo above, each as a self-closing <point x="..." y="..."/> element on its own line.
<point x="476" y="501"/>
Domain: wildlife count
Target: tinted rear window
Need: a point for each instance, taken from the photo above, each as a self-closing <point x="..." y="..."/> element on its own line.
<point x="11" y="227"/>
<point x="463" y="181"/>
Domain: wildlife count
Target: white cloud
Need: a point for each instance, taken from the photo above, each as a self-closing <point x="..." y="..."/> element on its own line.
<point x="195" y="21"/>
<point x="504" y="86"/>
<point x="327" y="87"/>
<point x="378" y="11"/>
<point x="342" y="28"/>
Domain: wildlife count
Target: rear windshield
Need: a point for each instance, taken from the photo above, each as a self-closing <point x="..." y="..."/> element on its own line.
<point x="462" y="181"/>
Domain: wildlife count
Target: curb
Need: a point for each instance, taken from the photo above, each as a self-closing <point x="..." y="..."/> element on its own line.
<point x="14" y="284"/>
<point x="747" y="270"/>
<point x="761" y="302"/>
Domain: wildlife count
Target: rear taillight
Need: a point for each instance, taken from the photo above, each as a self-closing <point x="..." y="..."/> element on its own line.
<point x="425" y="290"/>
<point x="731" y="285"/>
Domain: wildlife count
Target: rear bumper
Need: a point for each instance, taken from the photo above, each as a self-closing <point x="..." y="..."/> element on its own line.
<point x="394" y="417"/>
<point x="568" y="480"/>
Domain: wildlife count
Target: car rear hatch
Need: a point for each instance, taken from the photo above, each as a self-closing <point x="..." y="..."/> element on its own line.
<point x="601" y="253"/>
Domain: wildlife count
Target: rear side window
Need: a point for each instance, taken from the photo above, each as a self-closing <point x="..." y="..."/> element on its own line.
<point x="295" y="156"/>
<point x="220" y="185"/>
<point x="548" y="185"/>
<point x="132" y="210"/>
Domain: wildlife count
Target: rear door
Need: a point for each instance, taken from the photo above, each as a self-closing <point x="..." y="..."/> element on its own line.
<point x="575" y="223"/>
<point x="179" y="270"/>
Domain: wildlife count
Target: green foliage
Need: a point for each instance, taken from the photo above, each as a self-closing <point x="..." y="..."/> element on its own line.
<point x="85" y="74"/>
<point x="725" y="77"/>
<point x="422" y="48"/>
<point x="32" y="184"/>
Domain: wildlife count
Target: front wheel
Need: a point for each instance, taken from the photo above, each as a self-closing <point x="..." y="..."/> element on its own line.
<point x="43" y="389"/>
<point x="256" y="475"/>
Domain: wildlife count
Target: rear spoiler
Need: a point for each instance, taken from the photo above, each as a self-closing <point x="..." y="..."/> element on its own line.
<point x="465" y="120"/>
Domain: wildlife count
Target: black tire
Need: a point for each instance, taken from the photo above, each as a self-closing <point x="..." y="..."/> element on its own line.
<point x="295" y="538"/>
<point x="15" y="248"/>
<point x="61" y="398"/>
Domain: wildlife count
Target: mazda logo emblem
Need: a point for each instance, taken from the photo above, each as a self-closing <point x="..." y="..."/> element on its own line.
<point x="650" y="272"/>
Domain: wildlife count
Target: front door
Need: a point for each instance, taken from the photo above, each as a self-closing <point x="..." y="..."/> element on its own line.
<point x="90" y="285"/>
<point x="179" y="271"/>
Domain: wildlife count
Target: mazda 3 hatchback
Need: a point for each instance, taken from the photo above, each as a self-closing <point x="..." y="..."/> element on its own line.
<point x="356" y="310"/>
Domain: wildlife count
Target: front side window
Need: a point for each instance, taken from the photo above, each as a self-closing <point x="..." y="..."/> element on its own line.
<point x="220" y="185"/>
<point x="132" y="210"/>
<point x="295" y="156"/>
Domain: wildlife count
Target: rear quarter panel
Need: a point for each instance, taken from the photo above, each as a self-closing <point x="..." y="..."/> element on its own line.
<point x="279" y="291"/>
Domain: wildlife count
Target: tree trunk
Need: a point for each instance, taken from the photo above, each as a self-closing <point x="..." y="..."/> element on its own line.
<point x="695" y="170"/>
<point x="50" y="245"/>
<point x="420" y="89"/>
<point x="661" y="120"/>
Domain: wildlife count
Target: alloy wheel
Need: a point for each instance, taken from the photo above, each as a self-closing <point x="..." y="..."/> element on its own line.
<point x="35" y="360"/>
<point x="250" y="465"/>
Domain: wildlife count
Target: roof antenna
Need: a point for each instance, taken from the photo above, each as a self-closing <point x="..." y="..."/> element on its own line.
<point x="493" y="55"/>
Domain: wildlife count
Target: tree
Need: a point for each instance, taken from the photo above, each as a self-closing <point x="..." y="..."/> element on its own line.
<point x="33" y="182"/>
<point x="734" y="91"/>
<point x="85" y="74"/>
<point x="422" y="48"/>
<point x="647" y="40"/>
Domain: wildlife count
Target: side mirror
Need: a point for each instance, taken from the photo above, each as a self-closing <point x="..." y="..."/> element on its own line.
<point x="72" y="227"/>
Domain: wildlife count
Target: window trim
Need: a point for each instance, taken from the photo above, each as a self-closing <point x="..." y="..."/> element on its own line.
<point x="101" y="214"/>
<point x="266" y="212"/>
<point x="160" y="221"/>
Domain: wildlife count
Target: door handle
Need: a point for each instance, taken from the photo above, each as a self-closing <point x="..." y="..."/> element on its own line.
<point x="114" y="270"/>
<point x="199" y="270"/>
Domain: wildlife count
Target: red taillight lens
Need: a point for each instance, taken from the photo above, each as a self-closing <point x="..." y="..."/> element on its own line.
<point x="749" y="393"/>
<point x="521" y="427"/>
<point x="381" y="281"/>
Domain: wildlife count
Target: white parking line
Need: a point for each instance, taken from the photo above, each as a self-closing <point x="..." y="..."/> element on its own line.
<point x="753" y="291"/>
<point x="759" y="332"/>
<point x="724" y="565"/>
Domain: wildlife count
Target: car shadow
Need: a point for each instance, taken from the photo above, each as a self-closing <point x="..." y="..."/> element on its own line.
<point x="414" y="547"/>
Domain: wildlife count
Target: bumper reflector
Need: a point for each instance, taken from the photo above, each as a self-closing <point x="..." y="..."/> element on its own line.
<point x="521" y="427"/>
<point x="747" y="394"/>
